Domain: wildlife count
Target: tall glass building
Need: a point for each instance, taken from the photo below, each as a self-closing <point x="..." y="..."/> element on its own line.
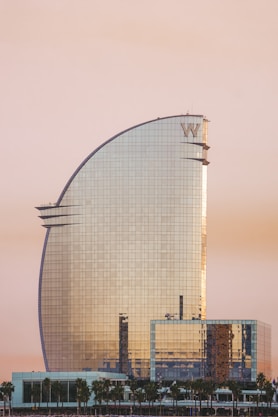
<point x="125" y="244"/>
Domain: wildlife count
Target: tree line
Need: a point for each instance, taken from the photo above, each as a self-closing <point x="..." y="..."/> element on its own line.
<point x="105" y="392"/>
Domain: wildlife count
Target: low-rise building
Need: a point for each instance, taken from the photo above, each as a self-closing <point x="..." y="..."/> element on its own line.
<point x="31" y="391"/>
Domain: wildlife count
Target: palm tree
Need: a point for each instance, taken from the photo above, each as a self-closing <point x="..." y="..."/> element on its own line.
<point x="85" y="395"/>
<point x="190" y="393"/>
<point x="36" y="394"/>
<point x="133" y="387"/>
<point x="46" y="385"/>
<point x="106" y="392"/>
<point x="199" y="388"/>
<point x="140" y="397"/>
<point x="95" y="390"/>
<point x="187" y="386"/>
<point x="261" y="380"/>
<point x="7" y="388"/>
<point x="175" y="391"/>
<point x="57" y="391"/>
<point x="82" y="393"/>
<point x="117" y="394"/>
<point x="236" y="391"/>
<point x="151" y="393"/>
<point x="2" y="398"/>
<point x="209" y="388"/>
<point x="100" y="391"/>
<point x="269" y="392"/>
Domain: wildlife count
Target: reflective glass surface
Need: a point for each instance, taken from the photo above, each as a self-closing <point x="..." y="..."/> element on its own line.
<point x="125" y="244"/>
<point x="220" y="350"/>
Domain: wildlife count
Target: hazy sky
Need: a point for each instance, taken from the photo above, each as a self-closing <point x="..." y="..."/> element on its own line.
<point x="75" y="73"/>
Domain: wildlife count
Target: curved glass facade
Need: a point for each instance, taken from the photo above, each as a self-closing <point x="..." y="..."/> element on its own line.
<point x="125" y="244"/>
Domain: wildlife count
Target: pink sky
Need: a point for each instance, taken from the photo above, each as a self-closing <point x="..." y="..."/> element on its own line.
<point x="74" y="73"/>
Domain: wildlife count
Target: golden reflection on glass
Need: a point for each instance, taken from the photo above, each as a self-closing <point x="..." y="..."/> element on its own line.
<point x="127" y="236"/>
<point x="220" y="350"/>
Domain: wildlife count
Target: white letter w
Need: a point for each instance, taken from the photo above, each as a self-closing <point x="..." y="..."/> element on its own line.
<point x="190" y="128"/>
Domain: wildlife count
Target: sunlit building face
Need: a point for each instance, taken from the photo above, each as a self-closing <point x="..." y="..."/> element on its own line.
<point x="221" y="350"/>
<point x="125" y="244"/>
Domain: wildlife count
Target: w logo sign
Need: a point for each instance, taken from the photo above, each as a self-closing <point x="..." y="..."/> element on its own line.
<point x="190" y="127"/>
